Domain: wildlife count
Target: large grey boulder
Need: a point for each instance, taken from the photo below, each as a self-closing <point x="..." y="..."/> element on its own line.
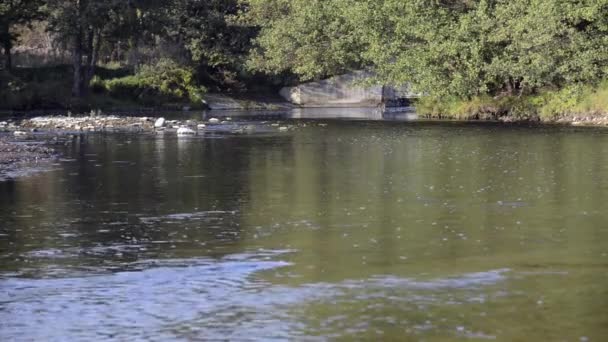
<point x="344" y="91"/>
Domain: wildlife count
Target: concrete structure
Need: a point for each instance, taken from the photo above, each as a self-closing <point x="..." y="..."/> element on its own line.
<point x="346" y="91"/>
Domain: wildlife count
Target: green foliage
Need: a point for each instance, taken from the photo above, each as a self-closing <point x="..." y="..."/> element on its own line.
<point x="312" y="39"/>
<point x="471" y="58"/>
<point x="442" y="48"/>
<point x="159" y="85"/>
<point x="573" y="101"/>
<point x="569" y="102"/>
<point x="206" y="34"/>
<point x="164" y="81"/>
<point x="479" y="108"/>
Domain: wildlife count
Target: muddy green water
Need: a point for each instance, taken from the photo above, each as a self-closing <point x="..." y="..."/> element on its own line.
<point x="354" y="231"/>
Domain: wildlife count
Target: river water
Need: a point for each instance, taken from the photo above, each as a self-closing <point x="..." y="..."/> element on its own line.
<point x="340" y="230"/>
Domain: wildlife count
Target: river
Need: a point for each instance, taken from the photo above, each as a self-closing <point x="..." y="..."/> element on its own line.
<point x="367" y="230"/>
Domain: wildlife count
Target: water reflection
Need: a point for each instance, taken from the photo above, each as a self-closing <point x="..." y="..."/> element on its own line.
<point x="308" y="113"/>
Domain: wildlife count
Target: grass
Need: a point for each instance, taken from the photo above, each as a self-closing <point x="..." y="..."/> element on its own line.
<point x="575" y="101"/>
<point x="477" y="108"/>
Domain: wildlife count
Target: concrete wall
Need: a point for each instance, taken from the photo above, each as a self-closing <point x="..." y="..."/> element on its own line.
<point x="342" y="91"/>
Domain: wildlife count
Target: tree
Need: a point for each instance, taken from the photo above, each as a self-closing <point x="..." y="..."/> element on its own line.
<point x="208" y="32"/>
<point x="458" y="48"/>
<point x="12" y="13"/>
<point x="82" y="25"/>
<point x="311" y="38"/>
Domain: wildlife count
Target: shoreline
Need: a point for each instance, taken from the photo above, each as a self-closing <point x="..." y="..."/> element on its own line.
<point x="578" y="121"/>
<point x="27" y="144"/>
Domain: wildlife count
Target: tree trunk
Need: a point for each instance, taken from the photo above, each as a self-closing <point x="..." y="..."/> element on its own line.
<point x="8" y="59"/>
<point x="77" y="65"/>
<point x="88" y="49"/>
<point x="93" y="56"/>
<point x="509" y="86"/>
<point x="7" y="45"/>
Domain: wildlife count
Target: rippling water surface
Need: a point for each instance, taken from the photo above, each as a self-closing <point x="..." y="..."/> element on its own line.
<point x="340" y="230"/>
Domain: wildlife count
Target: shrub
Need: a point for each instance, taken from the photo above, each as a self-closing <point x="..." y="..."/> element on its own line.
<point x="165" y="81"/>
<point x="97" y="85"/>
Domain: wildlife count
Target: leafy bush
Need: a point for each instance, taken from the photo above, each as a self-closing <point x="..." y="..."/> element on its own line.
<point x="573" y="101"/>
<point x="165" y="81"/>
<point x="480" y="107"/>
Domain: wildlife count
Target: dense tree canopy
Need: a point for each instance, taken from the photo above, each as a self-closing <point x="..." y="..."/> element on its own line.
<point x="312" y="38"/>
<point x="461" y="48"/>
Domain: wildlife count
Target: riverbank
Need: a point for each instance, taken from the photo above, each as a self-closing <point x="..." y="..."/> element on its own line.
<point x="576" y="105"/>
<point x="26" y="141"/>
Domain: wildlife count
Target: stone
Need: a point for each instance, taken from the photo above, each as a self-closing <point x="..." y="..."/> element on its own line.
<point x="201" y="126"/>
<point x="214" y="121"/>
<point x="345" y="91"/>
<point x="186" y="131"/>
<point x="283" y="129"/>
<point x="160" y="122"/>
<point x="19" y="133"/>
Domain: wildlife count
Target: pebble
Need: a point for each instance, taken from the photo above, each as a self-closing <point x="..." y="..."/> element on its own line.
<point x="185" y="131"/>
<point x="160" y="122"/>
<point x="214" y="121"/>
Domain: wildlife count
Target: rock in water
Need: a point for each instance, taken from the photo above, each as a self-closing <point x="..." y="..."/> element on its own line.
<point x="201" y="126"/>
<point x="19" y="133"/>
<point x="214" y="121"/>
<point x="160" y="122"/>
<point x="185" y="131"/>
